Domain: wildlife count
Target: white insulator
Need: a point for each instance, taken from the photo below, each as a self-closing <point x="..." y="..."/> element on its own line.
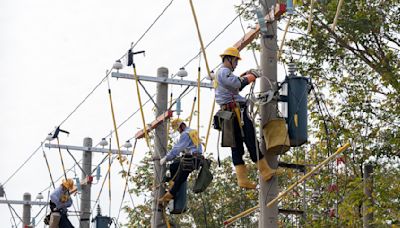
<point x="39" y="196"/>
<point x="118" y="65"/>
<point x="127" y="144"/>
<point x="182" y="72"/>
<point x="49" y="137"/>
<point x="103" y="142"/>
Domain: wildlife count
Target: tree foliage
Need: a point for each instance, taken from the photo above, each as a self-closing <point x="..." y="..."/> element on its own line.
<point x="355" y="98"/>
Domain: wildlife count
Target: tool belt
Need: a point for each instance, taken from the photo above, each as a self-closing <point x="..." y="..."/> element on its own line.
<point x="224" y="121"/>
<point x="190" y="162"/>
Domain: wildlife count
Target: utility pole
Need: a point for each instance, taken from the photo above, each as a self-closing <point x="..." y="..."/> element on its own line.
<point x="159" y="124"/>
<point x="85" y="194"/>
<point x="26" y="205"/>
<point x="26" y="212"/>
<point x="160" y="143"/>
<point x="269" y="189"/>
<point x="368" y="182"/>
<point x="87" y="178"/>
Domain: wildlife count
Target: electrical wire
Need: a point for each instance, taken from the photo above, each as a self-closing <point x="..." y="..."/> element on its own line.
<point x="92" y="91"/>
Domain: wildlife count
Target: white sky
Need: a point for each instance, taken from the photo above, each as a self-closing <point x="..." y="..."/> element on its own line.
<point x="53" y="53"/>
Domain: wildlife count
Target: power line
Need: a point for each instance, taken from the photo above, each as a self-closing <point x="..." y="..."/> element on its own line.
<point x="93" y="90"/>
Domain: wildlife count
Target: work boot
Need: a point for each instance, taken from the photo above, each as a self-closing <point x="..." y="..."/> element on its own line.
<point x="266" y="171"/>
<point x="241" y="175"/>
<point x="166" y="197"/>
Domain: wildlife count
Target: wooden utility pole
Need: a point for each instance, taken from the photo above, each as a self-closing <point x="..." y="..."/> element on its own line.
<point x="160" y="143"/>
<point x="268" y="190"/>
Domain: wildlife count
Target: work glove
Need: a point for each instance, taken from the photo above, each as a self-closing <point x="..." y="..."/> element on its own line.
<point x="163" y="160"/>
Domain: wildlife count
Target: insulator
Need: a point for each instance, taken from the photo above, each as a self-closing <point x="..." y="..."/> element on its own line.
<point x="49" y="137"/>
<point x="118" y="65"/>
<point x="78" y="184"/>
<point x="182" y="72"/>
<point x="289" y="7"/>
<point x="261" y="21"/>
<point x="127" y="144"/>
<point x="178" y="106"/>
<point x="98" y="173"/>
<point x="39" y="196"/>
<point x="103" y="142"/>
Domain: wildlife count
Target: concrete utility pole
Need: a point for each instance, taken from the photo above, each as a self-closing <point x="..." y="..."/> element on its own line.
<point x="368" y="182"/>
<point x="85" y="194"/>
<point x="160" y="143"/>
<point x="26" y="205"/>
<point x="268" y="190"/>
<point x="26" y="212"/>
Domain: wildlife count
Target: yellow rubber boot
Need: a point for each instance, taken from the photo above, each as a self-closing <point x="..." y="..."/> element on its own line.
<point x="266" y="172"/>
<point x="166" y="197"/>
<point x="241" y="175"/>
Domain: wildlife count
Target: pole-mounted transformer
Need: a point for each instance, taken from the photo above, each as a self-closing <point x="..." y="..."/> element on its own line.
<point x="298" y="88"/>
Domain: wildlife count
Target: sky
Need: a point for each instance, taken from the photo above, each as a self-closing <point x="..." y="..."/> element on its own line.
<point x="52" y="55"/>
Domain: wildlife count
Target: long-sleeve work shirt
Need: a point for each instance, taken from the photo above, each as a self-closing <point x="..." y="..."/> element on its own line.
<point x="185" y="142"/>
<point x="228" y="87"/>
<point x="61" y="198"/>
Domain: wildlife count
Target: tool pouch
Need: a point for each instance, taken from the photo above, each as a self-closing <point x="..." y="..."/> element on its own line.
<point x="187" y="163"/>
<point x="204" y="178"/>
<point x="223" y="121"/>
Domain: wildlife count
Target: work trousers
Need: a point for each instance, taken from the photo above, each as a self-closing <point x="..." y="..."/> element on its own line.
<point x="249" y="139"/>
<point x="181" y="175"/>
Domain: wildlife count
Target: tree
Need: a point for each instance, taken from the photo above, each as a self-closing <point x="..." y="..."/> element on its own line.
<point x="356" y="81"/>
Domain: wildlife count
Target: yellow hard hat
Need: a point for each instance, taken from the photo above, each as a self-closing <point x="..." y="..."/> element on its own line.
<point x="176" y="123"/>
<point x="231" y="51"/>
<point x="68" y="184"/>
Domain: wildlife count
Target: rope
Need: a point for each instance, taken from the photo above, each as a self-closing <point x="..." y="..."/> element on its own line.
<point x="198" y="103"/>
<point x="209" y="125"/>
<point x="141" y="107"/>
<point x="283" y="38"/>
<point x="102" y="186"/>
<point x="337" y="14"/>
<point x="48" y="168"/>
<point x="115" y="127"/>
<point x="200" y="39"/>
<point x="191" y="113"/>
<point x="126" y="179"/>
<point x="61" y="157"/>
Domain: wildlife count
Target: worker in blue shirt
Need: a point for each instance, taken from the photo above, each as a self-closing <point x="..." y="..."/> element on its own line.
<point x="190" y="145"/>
<point x="60" y="201"/>
<point x="227" y="88"/>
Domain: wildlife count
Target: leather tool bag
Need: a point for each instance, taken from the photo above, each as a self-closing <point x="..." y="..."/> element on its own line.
<point x="204" y="178"/>
<point x="223" y="120"/>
